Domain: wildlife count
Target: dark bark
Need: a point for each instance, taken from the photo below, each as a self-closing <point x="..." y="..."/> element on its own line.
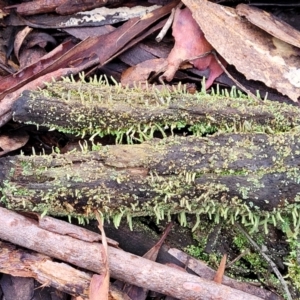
<point x="99" y="109"/>
<point x="227" y="176"/>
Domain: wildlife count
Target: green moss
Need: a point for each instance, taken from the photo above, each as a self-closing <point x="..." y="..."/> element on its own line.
<point x="250" y="265"/>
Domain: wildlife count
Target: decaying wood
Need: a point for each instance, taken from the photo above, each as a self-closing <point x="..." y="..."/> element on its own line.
<point x="24" y="263"/>
<point x="225" y="175"/>
<point x="124" y="266"/>
<point x="99" y="109"/>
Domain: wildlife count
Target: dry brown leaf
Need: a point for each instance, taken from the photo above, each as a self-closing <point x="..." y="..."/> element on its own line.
<point x="13" y="141"/>
<point x="141" y="71"/>
<point x="33" y="48"/>
<point x="39" y="38"/>
<point x="20" y="37"/>
<point x="220" y="272"/>
<point x="30" y="56"/>
<point x="2" y="14"/>
<point x="270" y="23"/>
<point x="153" y="252"/>
<point x="97" y="290"/>
<point x="255" y="53"/>
<point x="190" y="43"/>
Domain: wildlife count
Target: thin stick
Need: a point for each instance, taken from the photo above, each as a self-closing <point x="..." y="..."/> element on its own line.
<point x="268" y="259"/>
<point x="237" y="258"/>
<point x="250" y="94"/>
<point x="168" y="24"/>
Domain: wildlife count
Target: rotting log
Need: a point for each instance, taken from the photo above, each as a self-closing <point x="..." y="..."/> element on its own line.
<point x="20" y="262"/>
<point x="251" y="177"/>
<point x="98" y="109"/>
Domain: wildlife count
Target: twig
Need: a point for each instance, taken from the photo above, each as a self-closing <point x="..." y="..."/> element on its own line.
<point x="268" y="259"/>
<point x="161" y="78"/>
<point x="168" y="24"/>
<point x="237" y="258"/>
<point x="249" y="93"/>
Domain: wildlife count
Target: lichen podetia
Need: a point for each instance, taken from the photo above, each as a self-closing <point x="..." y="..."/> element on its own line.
<point x="62" y="187"/>
<point x="134" y="114"/>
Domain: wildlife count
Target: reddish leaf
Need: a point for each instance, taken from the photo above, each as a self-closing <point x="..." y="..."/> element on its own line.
<point x="190" y="43"/>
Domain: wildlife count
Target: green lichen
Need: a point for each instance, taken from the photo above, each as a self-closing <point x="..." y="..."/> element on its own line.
<point x="135" y="114"/>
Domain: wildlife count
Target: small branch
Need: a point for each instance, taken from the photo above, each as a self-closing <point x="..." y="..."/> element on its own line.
<point x="168" y="24"/>
<point x="124" y="266"/>
<point x="204" y="271"/>
<point x="249" y="93"/>
<point x="268" y="259"/>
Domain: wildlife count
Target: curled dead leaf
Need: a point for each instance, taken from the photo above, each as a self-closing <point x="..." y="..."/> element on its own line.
<point x="13" y="141"/>
<point x="142" y="71"/>
<point x="20" y="37"/>
<point x="189" y="44"/>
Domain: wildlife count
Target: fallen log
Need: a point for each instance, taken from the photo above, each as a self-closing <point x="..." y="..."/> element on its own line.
<point x="250" y="177"/>
<point x="135" y="114"/>
<point x="124" y="266"/>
